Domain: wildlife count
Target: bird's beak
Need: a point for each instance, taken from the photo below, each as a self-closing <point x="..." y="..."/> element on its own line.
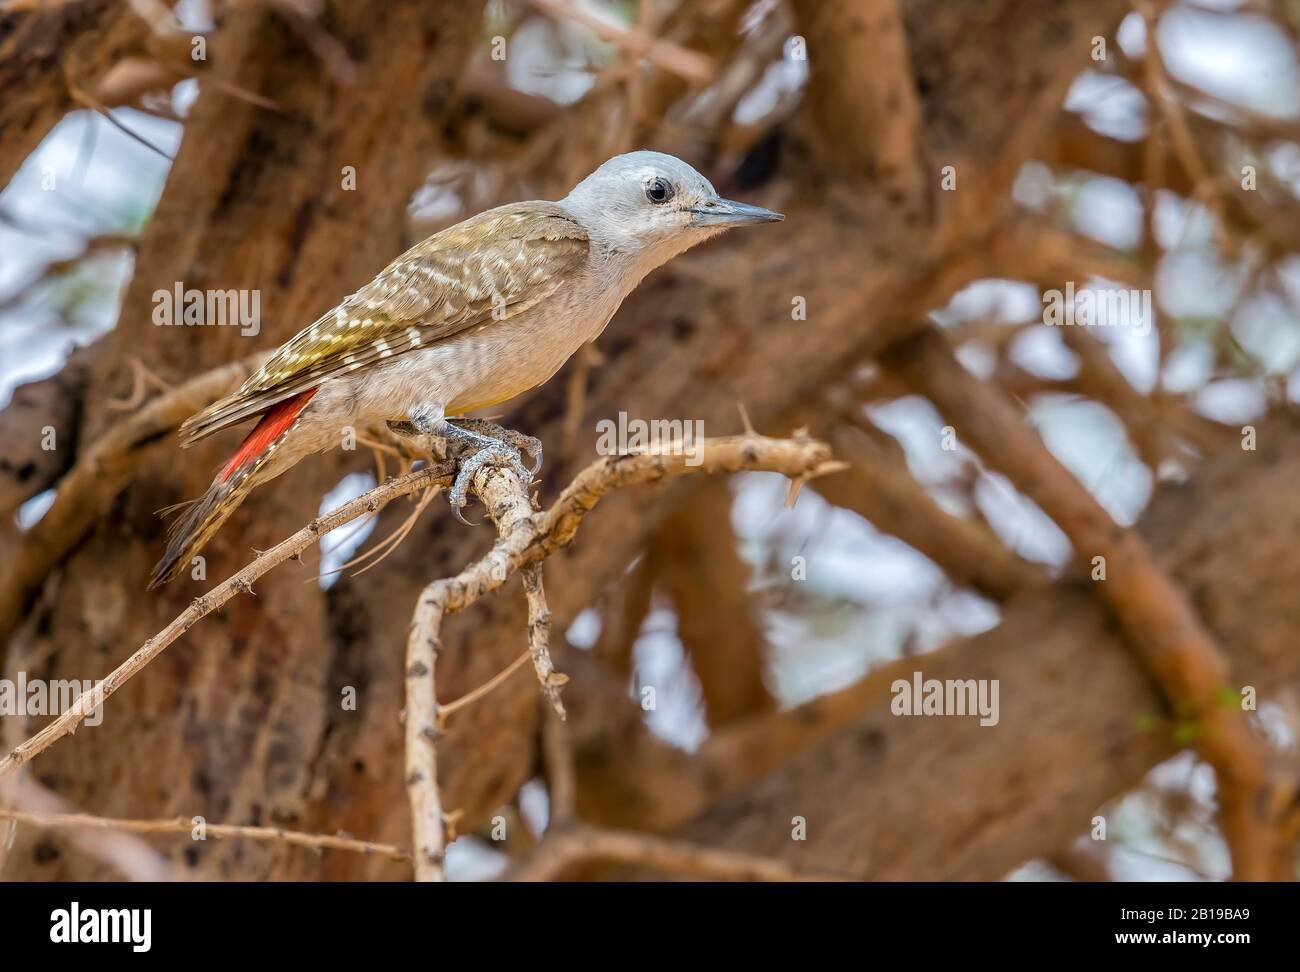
<point x="727" y="212"/>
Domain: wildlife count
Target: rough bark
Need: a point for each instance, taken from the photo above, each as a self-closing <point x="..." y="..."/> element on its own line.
<point x="55" y="403"/>
<point x="231" y="726"/>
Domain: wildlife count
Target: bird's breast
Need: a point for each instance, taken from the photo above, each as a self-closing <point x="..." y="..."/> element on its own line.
<point x="490" y="363"/>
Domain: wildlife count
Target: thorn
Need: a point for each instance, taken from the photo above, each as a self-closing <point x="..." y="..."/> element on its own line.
<point x="830" y="466"/>
<point x="744" y="418"/>
<point x="795" y="486"/>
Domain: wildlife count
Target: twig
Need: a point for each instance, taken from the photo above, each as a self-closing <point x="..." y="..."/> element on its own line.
<point x="94" y="104"/>
<point x="37" y="6"/>
<point x="687" y="64"/>
<point x="304" y="20"/>
<point x="539" y="638"/>
<point x="428" y="832"/>
<point x="444" y="711"/>
<point x="93" y="246"/>
<point x="881" y="488"/>
<point x="1180" y="131"/>
<point x="127" y="854"/>
<point x="560" y="849"/>
<point x="317" y="842"/>
<point x="141" y="379"/>
<point x="526" y="538"/>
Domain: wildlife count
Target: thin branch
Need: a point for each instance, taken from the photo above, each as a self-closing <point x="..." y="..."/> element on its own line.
<point x="685" y="63"/>
<point x="1160" y="91"/>
<point x="125" y="853"/>
<point x="92" y="247"/>
<point x="428" y="832"/>
<point x="94" y="104"/>
<point x="317" y="842"/>
<point x="525" y="538"/>
<point x="539" y="638"/>
<point x="561" y="849"/>
<point x="469" y="698"/>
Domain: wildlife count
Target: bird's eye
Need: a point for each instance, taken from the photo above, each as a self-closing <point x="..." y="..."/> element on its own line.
<point x="658" y="190"/>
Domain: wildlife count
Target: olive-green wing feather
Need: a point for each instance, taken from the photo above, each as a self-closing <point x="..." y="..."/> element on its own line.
<point x="488" y="268"/>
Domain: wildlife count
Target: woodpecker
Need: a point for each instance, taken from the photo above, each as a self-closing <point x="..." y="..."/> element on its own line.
<point x="471" y="317"/>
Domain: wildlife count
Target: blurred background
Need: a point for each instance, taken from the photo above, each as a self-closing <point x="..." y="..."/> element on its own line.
<point x="942" y="163"/>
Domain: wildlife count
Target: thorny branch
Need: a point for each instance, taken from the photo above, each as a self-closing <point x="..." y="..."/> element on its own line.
<point x="317" y="842"/>
<point x="524" y="539"/>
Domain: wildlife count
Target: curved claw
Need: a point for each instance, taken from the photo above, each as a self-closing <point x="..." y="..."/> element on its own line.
<point x="532" y="446"/>
<point x="495" y="453"/>
<point x="455" y="511"/>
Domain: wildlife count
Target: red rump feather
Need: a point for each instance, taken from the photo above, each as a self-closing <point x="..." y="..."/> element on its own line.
<point x="273" y="424"/>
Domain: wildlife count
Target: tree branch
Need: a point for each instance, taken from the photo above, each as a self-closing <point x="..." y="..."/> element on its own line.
<point x="1161" y="624"/>
<point x="316" y="842"/>
<point x="562" y="848"/>
<point x="524" y="540"/>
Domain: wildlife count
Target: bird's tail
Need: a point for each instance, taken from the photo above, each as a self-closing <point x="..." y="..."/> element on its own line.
<point x="237" y="478"/>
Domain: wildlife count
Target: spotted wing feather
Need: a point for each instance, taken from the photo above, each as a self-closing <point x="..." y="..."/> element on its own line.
<point x="490" y="267"/>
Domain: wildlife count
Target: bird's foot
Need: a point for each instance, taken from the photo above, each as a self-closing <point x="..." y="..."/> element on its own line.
<point x="477" y="447"/>
<point x="520" y="442"/>
<point x="493" y="453"/>
<point x="475" y="443"/>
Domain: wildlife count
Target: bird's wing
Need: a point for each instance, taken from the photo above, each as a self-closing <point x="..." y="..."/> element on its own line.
<point x="488" y="268"/>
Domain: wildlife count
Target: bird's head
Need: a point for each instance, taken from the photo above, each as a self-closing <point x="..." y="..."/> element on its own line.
<point x="655" y="206"/>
